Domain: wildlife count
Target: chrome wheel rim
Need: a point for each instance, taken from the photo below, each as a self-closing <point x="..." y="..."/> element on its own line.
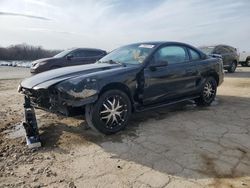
<point x="113" y="111"/>
<point x="209" y="91"/>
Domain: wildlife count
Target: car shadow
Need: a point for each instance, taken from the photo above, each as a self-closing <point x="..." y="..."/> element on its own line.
<point x="241" y="72"/>
<point x="182" y="140"/>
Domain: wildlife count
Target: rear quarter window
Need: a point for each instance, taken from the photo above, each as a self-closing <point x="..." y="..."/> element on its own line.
<point x="92" y="53"/>
<point x="172" y="54"/>
<point x="221" y="50"/>
<point x="194" y="55"/>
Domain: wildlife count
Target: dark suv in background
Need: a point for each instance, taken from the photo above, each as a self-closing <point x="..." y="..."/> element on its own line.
<point x="71" y="57"/>
<point x="228" y="54"/>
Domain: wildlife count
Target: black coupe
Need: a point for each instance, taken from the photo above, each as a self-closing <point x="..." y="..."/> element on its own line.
<point x="132" y="78"/>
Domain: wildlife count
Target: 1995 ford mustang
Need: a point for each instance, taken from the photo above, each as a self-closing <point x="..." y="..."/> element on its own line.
<point x="132" y="78"/>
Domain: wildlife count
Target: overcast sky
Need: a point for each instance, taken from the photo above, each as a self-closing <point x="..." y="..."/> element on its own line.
<point x="107" y="24"/>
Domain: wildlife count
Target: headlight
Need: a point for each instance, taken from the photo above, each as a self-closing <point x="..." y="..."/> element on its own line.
<point x="35" y="65"/>
<point x="19" y="88"/>
<point x="38" y="64"/>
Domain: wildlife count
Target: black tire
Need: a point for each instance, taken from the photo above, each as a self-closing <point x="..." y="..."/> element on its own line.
<point x="243" y="64"/>
<point x="232" y="68"/>
<point x="102" y="115"/>
<point x="248" y="62"/>
<point x="208" y="92"/>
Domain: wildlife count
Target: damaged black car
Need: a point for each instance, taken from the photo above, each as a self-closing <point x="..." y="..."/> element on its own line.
<point x="132" y="78"/>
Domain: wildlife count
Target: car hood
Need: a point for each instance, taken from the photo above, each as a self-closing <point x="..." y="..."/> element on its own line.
<point x="42" y="60"/>
<point x="48" y="78"/>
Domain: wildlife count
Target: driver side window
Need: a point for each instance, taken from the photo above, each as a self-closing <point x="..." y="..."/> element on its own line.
<point x="171" y="54"/>
<point x="79" y="53"/>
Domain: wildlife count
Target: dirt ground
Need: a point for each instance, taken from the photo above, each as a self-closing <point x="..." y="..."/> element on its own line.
<point x="181" y="146"/>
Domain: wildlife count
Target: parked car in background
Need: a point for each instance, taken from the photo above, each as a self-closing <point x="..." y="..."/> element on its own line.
<point x="71" y="57"/>
<point x="245" y="58"/>
<point x="132" y="78"/>
<point x="228" y="54"/>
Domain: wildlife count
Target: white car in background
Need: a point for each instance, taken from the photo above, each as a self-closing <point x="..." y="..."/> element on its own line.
<point x="245" y="58"/>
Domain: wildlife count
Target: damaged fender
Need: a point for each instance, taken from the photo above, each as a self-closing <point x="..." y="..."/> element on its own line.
<point x="78" y="92"/>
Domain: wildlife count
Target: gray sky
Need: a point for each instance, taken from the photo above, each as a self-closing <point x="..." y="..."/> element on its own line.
<point x="107" y="24"/>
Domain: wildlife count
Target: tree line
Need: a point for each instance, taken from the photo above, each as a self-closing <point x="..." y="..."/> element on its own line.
<point x="25" y="52"/>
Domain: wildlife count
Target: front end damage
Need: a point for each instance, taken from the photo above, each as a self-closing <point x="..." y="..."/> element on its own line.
<point x="61" y="99"/>
<point x="30" y="125"/>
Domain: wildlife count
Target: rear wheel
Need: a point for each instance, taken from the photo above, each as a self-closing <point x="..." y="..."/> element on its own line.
<point x="243" y="64"/>
<point x="110" y="113"/>
<point x="233" y="67"/>
<point x="208" y="92"/>
<point x="248" y="63"/>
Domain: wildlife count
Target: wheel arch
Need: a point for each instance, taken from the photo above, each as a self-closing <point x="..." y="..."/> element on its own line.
<point x="118" y="86"/>
<point x="215" y="76"/>
<point x="235" y="61"/>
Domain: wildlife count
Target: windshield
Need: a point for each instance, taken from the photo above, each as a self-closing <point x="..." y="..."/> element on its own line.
<point x="207" y="50"/>
<point x="131" y="54"/>
<point x="63" y="53"/>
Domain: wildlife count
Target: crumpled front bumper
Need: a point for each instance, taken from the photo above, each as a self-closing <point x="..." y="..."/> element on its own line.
<point x="55" y="101"/>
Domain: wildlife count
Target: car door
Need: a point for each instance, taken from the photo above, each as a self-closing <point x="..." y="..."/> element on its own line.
<point x="173" y="80"/>
<point x="225" y="53"/>
<point x="81" y="57"/>
<point x="93" y="55"/>
<point x="76" y="58"/>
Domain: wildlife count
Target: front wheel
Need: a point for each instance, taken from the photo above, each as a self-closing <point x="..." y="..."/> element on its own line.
<point x="110" y="113"/>
<point x="208" y="92"/>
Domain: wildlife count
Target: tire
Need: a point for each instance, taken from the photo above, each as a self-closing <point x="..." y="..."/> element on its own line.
<point x="208" y="92"/>
<point x="232" y="67"/>
<point x="110" y="113"/>
<point x="243" y="64"/>
<point x="248" y="63"/>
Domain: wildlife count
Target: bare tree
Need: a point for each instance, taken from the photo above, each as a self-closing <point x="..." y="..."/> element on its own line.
<point x="25" y="52"/>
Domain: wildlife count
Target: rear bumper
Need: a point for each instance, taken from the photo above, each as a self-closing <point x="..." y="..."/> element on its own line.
<point x="229" y="64"/>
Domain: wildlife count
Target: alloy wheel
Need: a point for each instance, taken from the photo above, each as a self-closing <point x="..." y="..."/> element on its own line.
<point x="233" y="67"/>
<point x="113" y="111"/>
<point x="209" y="91"/>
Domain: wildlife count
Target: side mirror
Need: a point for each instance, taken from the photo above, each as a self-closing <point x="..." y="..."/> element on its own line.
<point x="69" y="57"/>
<point x="157" y="64"/>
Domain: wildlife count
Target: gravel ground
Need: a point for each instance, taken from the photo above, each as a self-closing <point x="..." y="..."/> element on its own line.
<point x="181" y="146"/>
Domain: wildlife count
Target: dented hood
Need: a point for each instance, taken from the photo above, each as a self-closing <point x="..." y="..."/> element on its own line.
<point x="46" y="79"/>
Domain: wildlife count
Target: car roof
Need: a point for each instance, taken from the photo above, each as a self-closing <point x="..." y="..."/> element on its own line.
<point x="92" y="49"/>
<point x="159" y="43"/>
<point x="216" y="45"/>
